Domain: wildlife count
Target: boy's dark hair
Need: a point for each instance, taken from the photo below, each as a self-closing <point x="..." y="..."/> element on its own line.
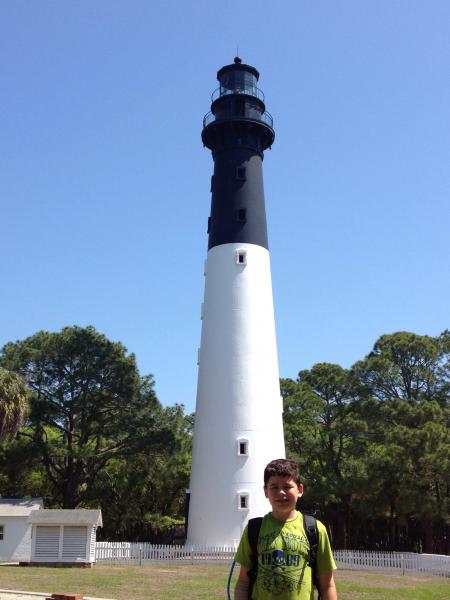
<point x="282" y="467"/>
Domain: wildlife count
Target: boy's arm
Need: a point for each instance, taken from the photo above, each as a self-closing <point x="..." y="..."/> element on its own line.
<point x="326" y="586"/>
<point x="241" y="587"/>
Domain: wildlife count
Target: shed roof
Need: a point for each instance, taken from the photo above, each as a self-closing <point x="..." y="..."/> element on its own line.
<point x="19" y="507"/>
<point x="65" y="516"/>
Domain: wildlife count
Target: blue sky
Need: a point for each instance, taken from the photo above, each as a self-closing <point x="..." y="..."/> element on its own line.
<point x="104" y="184"/>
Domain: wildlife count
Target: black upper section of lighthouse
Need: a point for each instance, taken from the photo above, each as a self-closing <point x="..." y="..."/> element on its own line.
<point x="237" y="130"/>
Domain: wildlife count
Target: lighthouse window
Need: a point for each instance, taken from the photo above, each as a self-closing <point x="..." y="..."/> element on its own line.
<point x="243" y="501"/>
<point x="209" y="224"/>
<point x="212" y="183"/>
<point x="241" y="257"/>
<point x="241" y="215"/>
<point x="242" y="447"/>
<point x="240" y="173"/>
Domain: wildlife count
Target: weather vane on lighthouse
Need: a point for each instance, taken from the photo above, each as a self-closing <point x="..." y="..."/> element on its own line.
<point x="238" y="422"/>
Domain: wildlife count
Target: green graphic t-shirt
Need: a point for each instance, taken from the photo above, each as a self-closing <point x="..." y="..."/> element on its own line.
<point x="283" y="551"/>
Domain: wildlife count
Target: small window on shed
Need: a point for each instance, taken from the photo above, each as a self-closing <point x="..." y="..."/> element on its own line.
<point x="241" y="215"/>
<point x="2" y="532"/>
<point x="241" y="257"/>
<point x="243" y="501"/>
<point x="240" y="173"/>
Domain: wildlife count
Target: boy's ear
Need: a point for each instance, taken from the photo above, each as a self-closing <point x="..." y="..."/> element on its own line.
<point x="265" y="490"/>
<point x="300" y="489"/>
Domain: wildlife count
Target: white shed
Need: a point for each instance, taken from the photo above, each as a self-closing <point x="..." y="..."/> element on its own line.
<point x="64" y="537"/>
<point x="15" y="531"/>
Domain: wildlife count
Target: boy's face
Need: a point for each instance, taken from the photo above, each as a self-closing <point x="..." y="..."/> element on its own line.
<point x="283" y="493"/>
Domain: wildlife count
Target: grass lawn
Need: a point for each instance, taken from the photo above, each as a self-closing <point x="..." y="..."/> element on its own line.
<point x="189" y="582"/>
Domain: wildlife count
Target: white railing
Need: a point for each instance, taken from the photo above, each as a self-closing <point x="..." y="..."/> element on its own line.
<point x="138" y="552"/>
<point x="399" y="562"/>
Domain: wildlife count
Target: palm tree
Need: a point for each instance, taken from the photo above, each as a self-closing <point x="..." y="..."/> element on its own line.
<point x="14" y="403"/>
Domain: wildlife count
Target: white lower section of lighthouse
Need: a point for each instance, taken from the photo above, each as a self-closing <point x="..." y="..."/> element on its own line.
<point x="238" y="423"/>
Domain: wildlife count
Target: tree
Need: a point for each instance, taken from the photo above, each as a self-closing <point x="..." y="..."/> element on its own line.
<point x="22" y="473"/>
<point x="405" y="382"/>
<point x="372" y="443"/>
<point x="14" y="403"/>
<point x="143" y="495"/>
<point x="89" y="406"/>
<point x="323" y="433"/>
<point x="406" y="366"/>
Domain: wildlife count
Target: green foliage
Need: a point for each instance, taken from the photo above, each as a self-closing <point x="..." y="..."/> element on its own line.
<point x="373" y="443"/>
<point x="14" y="403"/>
<point x="405" y="365"/>
<point x="30" y="480"/>
<point x="97" y="435"/>
<point x="146" y="484"/>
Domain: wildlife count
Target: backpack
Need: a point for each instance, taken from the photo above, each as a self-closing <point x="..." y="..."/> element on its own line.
<point x="310" y="527"/>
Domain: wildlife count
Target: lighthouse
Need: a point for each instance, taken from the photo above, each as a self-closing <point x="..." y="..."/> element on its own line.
<point x="238" y="419"/>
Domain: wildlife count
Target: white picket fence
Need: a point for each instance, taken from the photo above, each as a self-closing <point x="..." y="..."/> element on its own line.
<point x="139" y="552"/>
<point x="398" y="562"/>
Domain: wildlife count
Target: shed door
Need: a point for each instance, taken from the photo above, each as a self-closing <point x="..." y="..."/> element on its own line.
<point x="74" y="543"/>
<point x="47" y="542"/>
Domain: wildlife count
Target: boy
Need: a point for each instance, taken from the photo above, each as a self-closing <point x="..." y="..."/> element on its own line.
<point x="283" y="548"/>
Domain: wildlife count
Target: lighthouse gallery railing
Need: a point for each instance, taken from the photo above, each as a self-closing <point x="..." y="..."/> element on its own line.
<point x="265" y="117"/>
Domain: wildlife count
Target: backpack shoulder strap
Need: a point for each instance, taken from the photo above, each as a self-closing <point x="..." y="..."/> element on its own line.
<point x="253" y="529"/>
<point x="310" y="526"/>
